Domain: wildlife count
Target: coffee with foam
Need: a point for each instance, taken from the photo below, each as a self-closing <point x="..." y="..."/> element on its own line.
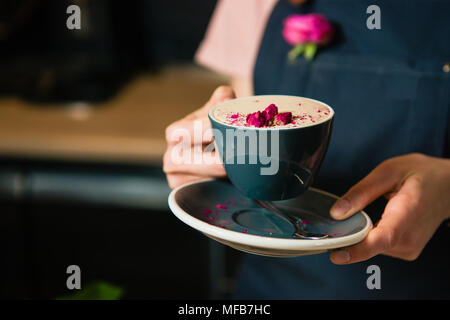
<point x="305" y="112"/>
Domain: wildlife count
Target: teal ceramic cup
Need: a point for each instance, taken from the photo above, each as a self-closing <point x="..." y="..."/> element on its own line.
<point x="274" y="163"/>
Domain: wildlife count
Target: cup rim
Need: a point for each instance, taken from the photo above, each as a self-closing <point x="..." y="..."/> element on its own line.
<point x="270" y="128"/>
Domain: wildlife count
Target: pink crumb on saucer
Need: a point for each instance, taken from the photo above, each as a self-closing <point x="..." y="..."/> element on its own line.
<point x="206" y="211"/>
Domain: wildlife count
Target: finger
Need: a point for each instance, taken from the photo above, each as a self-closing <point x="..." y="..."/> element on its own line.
<point x="176" y="180"/>
<point x="190" y="132"/>
<point x="214" y="170"/>
<point x="219" y="95"/>
<point x="384" y="238"/>
<point x="193" y="162"/>
<point x="383" y="179"/>
<point x="196" y="126"/>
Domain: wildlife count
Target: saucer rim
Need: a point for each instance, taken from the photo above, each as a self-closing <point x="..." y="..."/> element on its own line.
<point x="262" y="241"/>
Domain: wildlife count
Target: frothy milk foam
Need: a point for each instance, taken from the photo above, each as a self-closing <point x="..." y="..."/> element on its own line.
<point x="305" y="112"/>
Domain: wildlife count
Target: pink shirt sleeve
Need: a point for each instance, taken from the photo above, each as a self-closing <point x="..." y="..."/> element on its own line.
<point x="233" y="37"/>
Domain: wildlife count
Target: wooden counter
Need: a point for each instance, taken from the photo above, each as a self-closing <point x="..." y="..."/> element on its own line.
<point x="129" y="128"/>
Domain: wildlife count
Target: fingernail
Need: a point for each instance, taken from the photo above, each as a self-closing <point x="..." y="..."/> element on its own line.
<point x="340" y="256"/>
<point x="341" y="207"/>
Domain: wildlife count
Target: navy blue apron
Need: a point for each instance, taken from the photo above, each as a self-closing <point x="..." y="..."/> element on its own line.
<point x="391" y="97"/>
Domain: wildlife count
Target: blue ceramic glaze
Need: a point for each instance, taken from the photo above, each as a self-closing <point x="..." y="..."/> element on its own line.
<point x="301" y="151"/>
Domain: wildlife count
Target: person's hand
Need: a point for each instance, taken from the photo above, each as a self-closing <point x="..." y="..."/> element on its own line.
<point x="418" y="190"/>
<point x="197" y="165"/>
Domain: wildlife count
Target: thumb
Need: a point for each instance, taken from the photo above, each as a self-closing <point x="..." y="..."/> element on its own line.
<point x="219" y="95"/>
<point x="382" y="179"/>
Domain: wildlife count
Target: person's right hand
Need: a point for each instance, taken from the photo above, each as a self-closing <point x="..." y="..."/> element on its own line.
<point x="188" y="171"/>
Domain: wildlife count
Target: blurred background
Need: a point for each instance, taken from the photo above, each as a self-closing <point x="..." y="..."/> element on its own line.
<point x="82" y="119"/>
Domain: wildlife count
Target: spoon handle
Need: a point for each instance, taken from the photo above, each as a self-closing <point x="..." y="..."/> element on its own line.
<point x="294" y="220"/>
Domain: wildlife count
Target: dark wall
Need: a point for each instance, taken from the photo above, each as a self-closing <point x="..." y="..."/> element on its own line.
<point x="41" y="59"/>
<point x="112" y="221"/>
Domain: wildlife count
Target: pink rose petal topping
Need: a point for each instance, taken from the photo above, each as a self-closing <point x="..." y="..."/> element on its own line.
<point x="283" y="118"/>
<point x="269" y="117"/>
<point x="271" y="110"/>
<point x="257" y="119"/>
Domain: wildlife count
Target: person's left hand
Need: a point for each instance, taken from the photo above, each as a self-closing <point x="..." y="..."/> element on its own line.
<point x="418" y="190"/>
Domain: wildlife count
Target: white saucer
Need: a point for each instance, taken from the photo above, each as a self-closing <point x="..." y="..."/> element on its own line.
<point x="218" y="210"/>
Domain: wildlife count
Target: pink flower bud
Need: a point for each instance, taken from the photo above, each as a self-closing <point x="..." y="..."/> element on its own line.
<point x="307" y="28"/>
<point x="271" y="110"/>
<point x="256" y="119"/>
<point x="283" y="118"/>
<point x="268" y="117"/>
